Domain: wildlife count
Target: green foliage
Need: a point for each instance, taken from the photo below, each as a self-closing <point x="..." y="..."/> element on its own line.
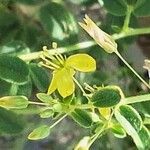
<point x="13" y="69"/>
<point x="47" y="113"/>
<point x="143" y="8"/>
<point x="39" y="133"/>
<point x="14" y="48"/>
<point x="106" y="97"/>
<point x="119" y="7"/>
<point x="132" y="123"/>
<point x="82" y="118"/>
<point x="40" y="77"/>
<point x="115" y="7"/>
<point x="59" y="23"/>
<point x="44" y="98"/>
<point x="118" y="131"/>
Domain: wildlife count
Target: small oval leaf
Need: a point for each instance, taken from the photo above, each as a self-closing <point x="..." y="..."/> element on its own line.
<point x="13" y="69"/>
<point x="47" y="113"/>
<point x="131" y="116"/>
<point x="82" y="118"/>
<point x="106" y="97"/>
<point x="40" y="77"/>
<point x="45" y="98"/>
<point x="39" y="133"/>
<point x="118" y="131"/>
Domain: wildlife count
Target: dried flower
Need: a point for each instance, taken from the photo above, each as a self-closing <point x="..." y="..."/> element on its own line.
<point x="101" y="38"/>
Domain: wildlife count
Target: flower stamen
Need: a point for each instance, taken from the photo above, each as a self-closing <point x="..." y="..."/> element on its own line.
<point x="50" y="62"/>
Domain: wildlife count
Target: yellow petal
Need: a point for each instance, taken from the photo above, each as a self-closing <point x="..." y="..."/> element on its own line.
<point x="53" y="84"/>
<point x="103" y="39"/>
<point x="65" y="84"/>
<point x="81" y="62"/>
<point x="105" y="112"/>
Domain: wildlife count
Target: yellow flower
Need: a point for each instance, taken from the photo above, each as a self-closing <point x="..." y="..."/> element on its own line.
<point x="64" y="71"/>
<point x="101" y="38"/>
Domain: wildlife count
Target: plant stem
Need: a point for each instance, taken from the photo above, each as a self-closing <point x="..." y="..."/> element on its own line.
<point x="131" y="32"/>
<point x="36" y="55"/>
<point x="126" y="63"/>
<point x="38" y="103"/>
<point x="104" y="127"/>
<point x="13" y="89"/>
<point x="127" y="18"/>
<point x="58" y="120"/>
<point x="84" y="45"/>
<point x="137" y="99"/>
<point x="97" y="135"/>
<point x="84" y="94"/>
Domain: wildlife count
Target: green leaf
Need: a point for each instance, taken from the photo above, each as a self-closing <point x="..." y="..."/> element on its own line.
<point x="40" y="77"/>
<point x="39" y="133"/>
<point x="4" y="88"/>
<point x="47" y="113"/>
<point x="13" y="69"/>
<point x="59" y="23"/>
<point x="115" y="7"/>
<point x="45" y="98"/>
<point x="132" y="116"/>
<point x="16" y="102"/>
<point x="82" y="118"/>
<point x="143" y="9"/>
<point x="10" y="123"/>
<point x="14" y="48"/>
<point x="106" y="97"/>
<point x="118" y="131"/>
<point x="130" y="120"/>
<point x="144" y="135"/>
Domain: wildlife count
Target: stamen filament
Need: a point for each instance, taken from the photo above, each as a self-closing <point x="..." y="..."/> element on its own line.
<point x="50" y="63"/>
<point x="47" y="66"/>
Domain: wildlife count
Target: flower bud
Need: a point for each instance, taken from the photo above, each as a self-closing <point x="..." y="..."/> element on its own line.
<point x="83" y="144"/>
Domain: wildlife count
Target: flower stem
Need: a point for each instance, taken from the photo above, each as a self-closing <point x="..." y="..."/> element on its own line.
<point x="81" y="88"/>
<point x="37" y="103"/>
<point x="127" y="18"/>
<point x="126" y="63"/>
<point x="53" y="125"/>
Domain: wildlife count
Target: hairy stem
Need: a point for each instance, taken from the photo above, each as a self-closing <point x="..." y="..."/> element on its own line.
<point x="84" y="45"/>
